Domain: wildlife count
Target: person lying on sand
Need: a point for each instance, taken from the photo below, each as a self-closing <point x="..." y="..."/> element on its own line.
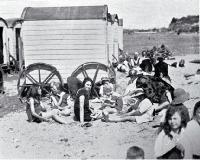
<point x="140" y="112"/>
<point x="59" y="99"/>
<point x="36" y="111"/>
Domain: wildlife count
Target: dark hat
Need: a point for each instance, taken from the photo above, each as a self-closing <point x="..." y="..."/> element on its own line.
<point x="180" y="96"/>
<point x="105" y="79"/>
<point x="137" y="92"/>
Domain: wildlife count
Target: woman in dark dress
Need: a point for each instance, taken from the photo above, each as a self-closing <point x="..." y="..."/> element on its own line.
<point x="81" y="105"/>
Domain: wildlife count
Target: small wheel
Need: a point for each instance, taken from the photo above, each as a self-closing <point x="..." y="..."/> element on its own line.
<point x="13" y="64"/>
<point x="39" y="74"/>
<point x="95" y="71"/>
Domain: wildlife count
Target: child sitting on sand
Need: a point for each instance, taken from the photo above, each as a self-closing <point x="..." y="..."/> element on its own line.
<point x="111" y="101"/>
<point x="36" y="111"/>
<point x="59" y="99"/>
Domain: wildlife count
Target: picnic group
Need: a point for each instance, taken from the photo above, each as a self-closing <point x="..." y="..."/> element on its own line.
<point x="149" y="93"/>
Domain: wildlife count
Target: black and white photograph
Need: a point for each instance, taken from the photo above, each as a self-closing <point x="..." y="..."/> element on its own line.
<point x="99" y="79"/>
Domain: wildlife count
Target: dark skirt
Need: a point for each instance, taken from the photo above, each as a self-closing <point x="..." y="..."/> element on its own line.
<point x="87" y="117"/>
<point x="174" y="153"/>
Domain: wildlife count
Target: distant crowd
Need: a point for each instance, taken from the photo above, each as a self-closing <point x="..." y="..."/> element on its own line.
<point x="149" y="94"/>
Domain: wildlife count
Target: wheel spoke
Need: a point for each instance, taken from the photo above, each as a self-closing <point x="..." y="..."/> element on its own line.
<point x="49" y="77"/>
<point x="45" y="90"/>
<point x="96" y="73"/>
<point x="31" y="78"/>
<point x="95" y="92"/>
<point x="39" y="75"/>
<point x="84" y="72"/>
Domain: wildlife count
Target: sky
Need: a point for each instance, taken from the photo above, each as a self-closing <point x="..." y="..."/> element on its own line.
<point x="136" y="14"/>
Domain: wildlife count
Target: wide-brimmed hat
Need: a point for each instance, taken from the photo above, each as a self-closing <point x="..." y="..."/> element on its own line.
<point x="180" y="96"/>
<point x="137" y="92"/>
<point x="105" y="79"/>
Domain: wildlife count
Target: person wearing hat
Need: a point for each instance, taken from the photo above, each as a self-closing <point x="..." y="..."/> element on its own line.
<point x="105" y="81"/>
<point x="139" y="112"/>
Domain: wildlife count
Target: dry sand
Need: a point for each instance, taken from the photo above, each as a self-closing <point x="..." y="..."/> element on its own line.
<point x="20" y="139"/>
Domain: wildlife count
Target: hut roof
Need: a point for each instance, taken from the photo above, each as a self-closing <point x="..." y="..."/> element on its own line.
<point x="11" y="22"/>
<point x="65" y="13"/>
<point x="112" y="18"/>
<point x="3" y="20"/>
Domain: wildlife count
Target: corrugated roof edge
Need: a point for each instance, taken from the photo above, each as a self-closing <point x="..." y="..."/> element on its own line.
<point x="11" y="22"/>
<point x="65" y="13"/>
<point x="4" y="21"/>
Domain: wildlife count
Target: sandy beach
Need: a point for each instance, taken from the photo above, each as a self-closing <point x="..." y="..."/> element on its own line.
<point x="21" y="139"/>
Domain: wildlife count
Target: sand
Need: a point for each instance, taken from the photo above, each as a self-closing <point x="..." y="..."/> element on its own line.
<point x="20" y="139"/>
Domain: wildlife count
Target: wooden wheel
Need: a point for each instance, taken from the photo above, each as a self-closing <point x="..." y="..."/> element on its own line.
<point x="95" y="71"/>
<point x="39" y="74"/>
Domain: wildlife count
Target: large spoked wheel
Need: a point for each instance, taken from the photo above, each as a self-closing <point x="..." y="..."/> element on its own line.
<point x="39" y="74"/>
<point x="95" y="71"/>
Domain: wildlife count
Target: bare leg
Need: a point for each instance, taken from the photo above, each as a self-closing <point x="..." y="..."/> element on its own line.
<point x="65" y="112"/>
<point x="116" y="118"/>
<point x="54" y="115"/>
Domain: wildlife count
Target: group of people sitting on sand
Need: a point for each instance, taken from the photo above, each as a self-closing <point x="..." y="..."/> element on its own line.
<point x="148" y="94"/>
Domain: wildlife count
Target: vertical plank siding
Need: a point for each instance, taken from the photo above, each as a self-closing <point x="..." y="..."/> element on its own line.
<point x="65" y="44"/>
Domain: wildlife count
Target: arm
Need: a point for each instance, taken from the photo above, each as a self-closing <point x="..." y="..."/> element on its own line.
<point x="33" y="111"/>
<point x="56" y="103"/>
<point x="133" y="113"/>
<point x="101" y="90"/>
<point x="61" y="98"/>
<point x="169" y="96"/>
<point x="82" y="99"/>
<point x="162" y="106"/>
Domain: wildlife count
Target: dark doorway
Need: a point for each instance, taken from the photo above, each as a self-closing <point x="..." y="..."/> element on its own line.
<point x="1" y="45"/>
<point x="18" y="30"/>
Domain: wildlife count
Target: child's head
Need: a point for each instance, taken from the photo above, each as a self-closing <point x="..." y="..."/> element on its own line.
<point x="196" y="112"/>
<point x="34" y="92"/>
<point x="55" y="86"/>
<point x="107" y="90"/>
<point x="135" y="152"/>
<point x="176" y="118"/>
<point x="105" y="80"/>
<point x="88" y="83"/>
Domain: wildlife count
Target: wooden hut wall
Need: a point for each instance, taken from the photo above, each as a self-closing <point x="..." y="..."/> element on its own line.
<point x="115" y="39"/>
<point x="120" y="34"/>
<point x="110" y="41"/>
<point x="65" y="44"/>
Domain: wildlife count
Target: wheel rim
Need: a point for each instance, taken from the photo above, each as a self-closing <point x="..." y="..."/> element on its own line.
<point x="34" y="75"/>
<point x="97" y="67"/>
